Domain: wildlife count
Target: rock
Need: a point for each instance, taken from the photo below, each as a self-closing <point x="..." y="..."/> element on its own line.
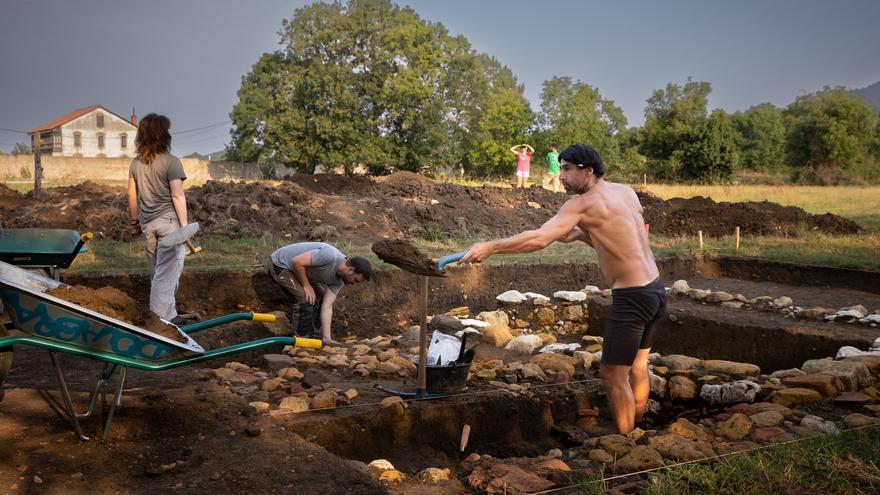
<point x="570" y="296"/>
<point x="524" y="344"/>
<point x="324" y="400"/>
<point x="680" y="287"/>
<point x="815" y="423"/>
<point x="871" y="320"/>
<point x="770" y="434"/>
<point x="537" y="299"/>
<point x="337" y="361"/>
<point x="223" y="373"/>
<point x="497" y="335"/>
<point x="827" y="385"/>
<point x="445" y="323"/>
<point x="559" y="348"/>
<point x="260" y="407"/>
<point x="857" y="311"/>
<point x="511" y="297"/>
<point x="657" y="384"/>
<point x="788" y="396"/>
<point x="730" y="393"/>
<point x="640" y="458"/>
<point x="595" y="339"/>
<point x="591" y="290"/>
<point x="387" y="367"/>
<point x="766" y="419"/>
<point x="684" y="428"/>
<point x="512" y="479"/>
<point x="682" y="387"/>
<point x="379" y="466"/>
<point x="814" y="313"/>
<point x="788" y="373"/>
<point x="573" y="312"/>
<point x="405" y="365"/>
<point x="395" y="404"/>
<point x="350" y="394"/>
<point x="871" y="361"/>
<point x="270" y="385"/>
<point x="731" y="368"/>
<point x="532" y="370"/>
<point x="276" y="362"/>
<point x="678" y="362"/>
<point x="600" y="455"/>
<point x="314" y="377"/>
<point x="391" y="477"/>
<point x="735" y="428"/>
<point x="587" y="360"/>
<point x="616" y="444"/>
<point x="852" y="398"/>
<point x="857" y="420"/>
<point x="678" y="448"/>
<point x="850" y="351"/>
<point x="293" y="404"/>
<point x="782" y="302"/>
<point x="555" y="362"/>
<point x="719" y="297"/>
<point x="472" y="457"/>
<point x="853" y="374"/>
<point x="732" y="304"/>
<point x="496" y="317"/>
<point x="698" y="294"/>
<point x="434" y="475"/>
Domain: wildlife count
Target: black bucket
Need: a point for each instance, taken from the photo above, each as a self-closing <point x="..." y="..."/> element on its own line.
<point x="447" y="379"/>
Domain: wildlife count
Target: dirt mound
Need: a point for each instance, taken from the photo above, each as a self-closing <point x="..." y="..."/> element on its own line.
<point x="116" y="304"/>
<point x="679" y="216"/>
<point x="401" y="205"/>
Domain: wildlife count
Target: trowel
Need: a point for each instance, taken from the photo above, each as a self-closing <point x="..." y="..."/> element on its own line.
<point x="181" y="236"/>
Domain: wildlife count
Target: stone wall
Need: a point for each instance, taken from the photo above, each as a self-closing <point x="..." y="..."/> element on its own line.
<point x="74" y="170"/>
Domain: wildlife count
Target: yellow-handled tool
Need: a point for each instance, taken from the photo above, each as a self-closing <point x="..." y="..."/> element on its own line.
<point x="308" y="343"/>
<point x="262" y="317"/>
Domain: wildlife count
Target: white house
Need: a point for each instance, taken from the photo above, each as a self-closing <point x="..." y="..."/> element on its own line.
<point x="88" y="132"/>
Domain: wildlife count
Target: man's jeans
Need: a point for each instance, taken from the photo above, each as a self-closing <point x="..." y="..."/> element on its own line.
<point x="166" y="265"/>
<point x="305" y="318"/>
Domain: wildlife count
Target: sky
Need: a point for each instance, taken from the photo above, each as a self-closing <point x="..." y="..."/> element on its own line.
<point x="185" y="58"/>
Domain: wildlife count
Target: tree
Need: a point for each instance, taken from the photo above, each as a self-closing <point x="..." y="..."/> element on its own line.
<point x="760" y="137"/>
<point x="681" y="140"/>
<point x="21" y="149"/>
<point x="573" y="112"/>
<point x="829" y="132"/>
<point x="362" y="83"/>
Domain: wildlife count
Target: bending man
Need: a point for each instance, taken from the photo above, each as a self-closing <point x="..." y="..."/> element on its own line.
<point x="311" y="274"/>
<point x="608" y="218"/>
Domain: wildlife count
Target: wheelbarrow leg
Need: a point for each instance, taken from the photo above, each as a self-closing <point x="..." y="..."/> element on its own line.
<point x="66" y="395"/>
<point x="117" y="400"/>
<point x="108" y="370"/>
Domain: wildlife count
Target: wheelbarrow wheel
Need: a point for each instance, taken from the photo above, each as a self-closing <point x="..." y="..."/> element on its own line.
<point x="5" y="361"/>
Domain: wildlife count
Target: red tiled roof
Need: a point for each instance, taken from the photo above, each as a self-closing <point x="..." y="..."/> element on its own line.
<point x="70" y="116"/>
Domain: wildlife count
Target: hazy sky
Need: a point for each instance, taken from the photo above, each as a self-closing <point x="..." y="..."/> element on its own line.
<point x="185" y="58"/>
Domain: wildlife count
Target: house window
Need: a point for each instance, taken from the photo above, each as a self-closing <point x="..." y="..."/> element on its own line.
<point x="100" y="120"/>
<point x="101" y="140"/>
<point x="77" y="139"/>
<point x="123" y="141"/>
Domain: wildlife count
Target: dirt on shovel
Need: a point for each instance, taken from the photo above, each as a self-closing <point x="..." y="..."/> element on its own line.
<point x="404" y="255"/>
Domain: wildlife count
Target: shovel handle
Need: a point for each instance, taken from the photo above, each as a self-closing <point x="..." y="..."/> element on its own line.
<point x="452" y="258"/>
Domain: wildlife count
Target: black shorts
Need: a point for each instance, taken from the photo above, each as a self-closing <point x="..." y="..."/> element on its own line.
<point x="632" y="322"/>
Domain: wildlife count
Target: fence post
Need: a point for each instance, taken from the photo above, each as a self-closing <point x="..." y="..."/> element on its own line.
<point x="736" y="235"/>
<point x="700" y="236"/>
<point x="38" y="166"/>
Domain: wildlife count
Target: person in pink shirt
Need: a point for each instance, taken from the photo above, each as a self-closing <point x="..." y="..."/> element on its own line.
<point x="523" y="154"/>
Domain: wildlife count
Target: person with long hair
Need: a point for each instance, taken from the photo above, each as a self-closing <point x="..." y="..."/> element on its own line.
<point x="157" y="207"/>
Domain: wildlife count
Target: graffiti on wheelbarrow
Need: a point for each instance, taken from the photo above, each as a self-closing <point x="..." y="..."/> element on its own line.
<point x="46" y="321"/>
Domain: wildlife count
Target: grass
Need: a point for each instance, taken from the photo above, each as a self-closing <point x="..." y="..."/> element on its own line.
<point x="845" y="463"/>
<point x="858" y="203"/>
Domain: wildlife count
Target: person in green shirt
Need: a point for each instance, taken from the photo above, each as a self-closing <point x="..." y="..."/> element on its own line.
<point x="552" y="178"/>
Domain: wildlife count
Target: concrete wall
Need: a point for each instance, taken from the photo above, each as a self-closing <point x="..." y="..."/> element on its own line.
<point x="74" y="170"/>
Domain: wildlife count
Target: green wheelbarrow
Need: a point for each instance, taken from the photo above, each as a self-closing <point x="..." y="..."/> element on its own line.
<point x="56" y="325"/>
<point x="45" y="249"/>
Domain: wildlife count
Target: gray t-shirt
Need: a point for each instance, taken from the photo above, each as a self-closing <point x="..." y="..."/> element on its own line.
<point x="153" y="185"/>
<point x="325" y="260"/>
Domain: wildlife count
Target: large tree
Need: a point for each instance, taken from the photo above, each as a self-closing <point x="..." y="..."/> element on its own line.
<point x="574" y="112"/>
<point x="682" y="140"/>
<point x="365" y="83"/>
<point x="828" y="132"/>
<point x="760" y="137"/>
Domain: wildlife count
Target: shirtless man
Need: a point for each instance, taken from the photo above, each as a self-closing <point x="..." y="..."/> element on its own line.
<point x="607" y="217"/>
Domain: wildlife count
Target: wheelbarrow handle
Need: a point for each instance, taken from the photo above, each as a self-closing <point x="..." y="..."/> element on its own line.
<point x="83" y="239"/>
<point x="452" y="258"/>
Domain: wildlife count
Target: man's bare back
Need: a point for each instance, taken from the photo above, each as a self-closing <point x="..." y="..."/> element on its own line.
<point x="611" y="218"/>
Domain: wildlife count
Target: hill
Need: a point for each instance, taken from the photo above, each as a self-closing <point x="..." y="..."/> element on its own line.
<point x="871" y="94"/>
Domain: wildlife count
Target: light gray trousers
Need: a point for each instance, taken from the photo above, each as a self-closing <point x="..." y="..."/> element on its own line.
<point x="166" y="265"/>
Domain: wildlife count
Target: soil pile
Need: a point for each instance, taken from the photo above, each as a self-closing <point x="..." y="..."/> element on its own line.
<point x="116" y="304"/>
<point x="403" y="204"/>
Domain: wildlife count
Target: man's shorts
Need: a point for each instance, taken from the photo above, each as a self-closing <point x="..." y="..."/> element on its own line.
<point x="632" y="322"/>
<point x="522" y="173"/>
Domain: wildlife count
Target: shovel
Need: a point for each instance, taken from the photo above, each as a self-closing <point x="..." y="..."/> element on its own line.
<point x="404" y="255"/>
